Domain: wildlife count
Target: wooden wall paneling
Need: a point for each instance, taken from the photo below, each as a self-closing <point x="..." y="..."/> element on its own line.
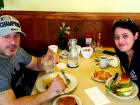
<point x="51" y="34"/>
<point x="33" y="29"/>
<point x="27" y="28"/>
<point x="88" y="27"/>
<point x="106" y="35"/>
<point x="41" y="26"/>
<point x="38" y="33"/>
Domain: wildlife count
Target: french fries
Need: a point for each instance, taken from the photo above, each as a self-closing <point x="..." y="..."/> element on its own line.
<point x="101" y="75"/>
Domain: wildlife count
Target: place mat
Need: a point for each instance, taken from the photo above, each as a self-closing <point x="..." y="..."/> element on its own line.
<point x="97" y="97"/>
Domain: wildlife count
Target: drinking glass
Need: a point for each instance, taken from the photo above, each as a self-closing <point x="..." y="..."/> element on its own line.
<point x="49" y="66"/>
<point x="98" y="51"/>
<point x="54" y="48"/>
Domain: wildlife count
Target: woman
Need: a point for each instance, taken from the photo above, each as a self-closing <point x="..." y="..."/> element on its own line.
<point x="127" y="46"/>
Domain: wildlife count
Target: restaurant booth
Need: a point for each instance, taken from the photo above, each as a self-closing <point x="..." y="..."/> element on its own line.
<point x="41" y="28"/>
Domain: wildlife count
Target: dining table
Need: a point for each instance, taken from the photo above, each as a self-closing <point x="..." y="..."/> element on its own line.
<point x="84" y="80"/>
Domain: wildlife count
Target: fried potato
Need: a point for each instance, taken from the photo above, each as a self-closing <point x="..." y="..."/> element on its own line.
<point x="101" y="75"/>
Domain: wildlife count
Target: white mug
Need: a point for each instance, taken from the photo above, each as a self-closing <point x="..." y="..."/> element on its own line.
<point x="103" y="62"/>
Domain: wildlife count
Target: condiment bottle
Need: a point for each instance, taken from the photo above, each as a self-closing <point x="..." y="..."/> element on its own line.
<point x="99" y="40"/>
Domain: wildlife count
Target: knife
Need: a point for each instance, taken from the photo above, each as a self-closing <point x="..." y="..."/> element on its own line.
<point x="66" y="78"/>
<point x="116" y="75"/>
<point x="114" y="79"/>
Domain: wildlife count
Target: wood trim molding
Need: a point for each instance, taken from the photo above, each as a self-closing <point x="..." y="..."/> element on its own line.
<point x="73" y="15"/>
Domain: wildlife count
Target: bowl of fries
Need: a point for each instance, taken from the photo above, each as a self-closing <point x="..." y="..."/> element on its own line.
<point x="101" y="75"/>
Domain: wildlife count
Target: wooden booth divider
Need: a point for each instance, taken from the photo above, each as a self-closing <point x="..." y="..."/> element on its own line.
<point x="41" y="27"/>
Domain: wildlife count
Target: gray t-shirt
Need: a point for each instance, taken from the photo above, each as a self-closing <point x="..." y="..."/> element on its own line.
<point x="9" y="67"/>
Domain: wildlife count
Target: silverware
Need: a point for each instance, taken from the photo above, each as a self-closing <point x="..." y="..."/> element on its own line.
<point x="114" y="79"/>
<point x="66" y="78"/>
<point x="116" y="75"/>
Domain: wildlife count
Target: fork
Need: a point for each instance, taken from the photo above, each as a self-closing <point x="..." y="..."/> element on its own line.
<point x="66" y="78"/>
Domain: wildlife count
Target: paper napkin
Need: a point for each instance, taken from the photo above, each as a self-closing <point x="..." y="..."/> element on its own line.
<point x="97" y="96"/>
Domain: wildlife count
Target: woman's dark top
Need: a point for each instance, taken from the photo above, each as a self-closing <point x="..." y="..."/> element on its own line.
<point x="133" y="70"/>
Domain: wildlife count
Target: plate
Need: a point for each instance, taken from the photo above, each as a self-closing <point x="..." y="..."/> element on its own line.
<point x="76" y="98"/>
<point x="123" y="98"/>
<point x="101" y="75"/>
<point x="114" y="61"/>
<point x="72" y="85"/>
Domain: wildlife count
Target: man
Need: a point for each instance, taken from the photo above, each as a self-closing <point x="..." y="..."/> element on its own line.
<point x="12" y="59"/>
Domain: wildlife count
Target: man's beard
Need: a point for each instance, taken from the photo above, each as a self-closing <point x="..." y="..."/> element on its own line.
<point x="9" y="53"/>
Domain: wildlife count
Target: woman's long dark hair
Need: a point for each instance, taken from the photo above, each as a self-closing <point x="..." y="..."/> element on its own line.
<point x="131" y="26"/>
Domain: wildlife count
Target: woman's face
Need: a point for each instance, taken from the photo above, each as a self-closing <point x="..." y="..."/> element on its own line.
<point x="124" y="39"/>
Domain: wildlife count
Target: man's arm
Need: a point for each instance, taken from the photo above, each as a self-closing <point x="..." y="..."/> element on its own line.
<point x="8" y="97"/>
<point x="35" y="64"/>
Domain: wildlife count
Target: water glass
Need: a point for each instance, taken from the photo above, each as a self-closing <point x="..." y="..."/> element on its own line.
<point x="49" y="66"/>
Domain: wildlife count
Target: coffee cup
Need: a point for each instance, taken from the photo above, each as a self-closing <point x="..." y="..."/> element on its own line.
<point x="103" y="62"/>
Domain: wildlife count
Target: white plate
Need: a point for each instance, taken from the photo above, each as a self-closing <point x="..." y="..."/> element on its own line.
<point x="77" y="99"/>
<point x="123" y="98"/>
<point x="113" y="61"/>
<point x="97" y="79"/>
<point x="71" y="86"/>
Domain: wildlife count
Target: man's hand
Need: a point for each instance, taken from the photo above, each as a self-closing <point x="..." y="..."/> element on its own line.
<point x="57" y="85"/>
<point x="37" y="63"/>
<point x="51" y="56"/>
<point x="50" y="59"/>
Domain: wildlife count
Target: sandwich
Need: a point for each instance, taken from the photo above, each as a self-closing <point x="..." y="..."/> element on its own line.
<point x="47" y="82"/>
<point x="122" y="86"/>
